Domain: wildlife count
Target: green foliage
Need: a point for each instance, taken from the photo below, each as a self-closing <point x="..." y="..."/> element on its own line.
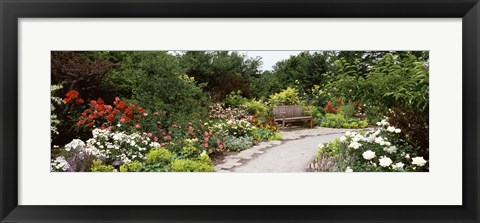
<point x="160" y="155"/>
<point x="222" y="71"/>
<point x="157" y="82"/>
<point x="134" y="166"/>
<point x="260" y="134"/>
<point x="288" y="96"/>
<point x="189" y="151"/>
<point x="340" y="121"/>
<point x="235" y="99"/>
<point x="303" y="70"/>
<point x="239" y="143"/>
<point x="348" y="110"/>
<point x="203" y="164"/>
<point x="98" y="166"/>
<point x="257" y="108"/>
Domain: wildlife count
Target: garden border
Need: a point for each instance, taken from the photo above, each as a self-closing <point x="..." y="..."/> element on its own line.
<point x="11" y="11"/>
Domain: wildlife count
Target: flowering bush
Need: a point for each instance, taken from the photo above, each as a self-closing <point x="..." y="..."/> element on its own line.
<point x="113" y="148"/>
<point x="380" y="150"/>
<point x="53" y="117"/>
<point x="332" y="107"/>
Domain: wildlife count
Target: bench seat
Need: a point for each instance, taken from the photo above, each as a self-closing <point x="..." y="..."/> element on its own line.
<point x="290" y="113"/>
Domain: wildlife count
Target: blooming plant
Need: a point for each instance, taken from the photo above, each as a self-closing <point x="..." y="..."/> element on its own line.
<point x="379" y="150"/>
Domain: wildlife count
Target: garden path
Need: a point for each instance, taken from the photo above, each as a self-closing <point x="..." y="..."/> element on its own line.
<point x="292" y="154"/>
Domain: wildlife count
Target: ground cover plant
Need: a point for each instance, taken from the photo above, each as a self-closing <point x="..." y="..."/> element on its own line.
<point x="166" y="111"/>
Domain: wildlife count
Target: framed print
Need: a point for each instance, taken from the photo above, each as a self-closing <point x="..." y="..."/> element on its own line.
<point x="166" y="111"/>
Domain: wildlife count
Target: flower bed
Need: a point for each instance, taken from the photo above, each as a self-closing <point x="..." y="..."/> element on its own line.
<point x="381" y="150"/>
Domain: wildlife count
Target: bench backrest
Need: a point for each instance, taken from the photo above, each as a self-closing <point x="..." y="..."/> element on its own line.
<point x="290" y="111"/>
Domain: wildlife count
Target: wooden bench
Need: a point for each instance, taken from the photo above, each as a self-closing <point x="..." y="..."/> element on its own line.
<point x="292" y="113"/>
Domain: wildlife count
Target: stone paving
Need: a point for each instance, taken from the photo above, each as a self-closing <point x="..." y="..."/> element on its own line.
<point x="230" y="163"/>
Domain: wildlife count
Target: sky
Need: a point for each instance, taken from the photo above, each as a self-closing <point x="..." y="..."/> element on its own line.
<point x="270" y="58"/>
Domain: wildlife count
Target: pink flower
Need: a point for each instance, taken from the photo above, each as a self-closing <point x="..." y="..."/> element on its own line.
<point x="155" y="139"/>
<point x="145" y="114"/>
<point x="218" y="141"/>
<point x="137" y="126"/>
<point x="206" y="139"/>
<point x="210" y="150"/>
<point x="220" y="146"/>
<point x="111" y="128"/>
<point x="149" y="134"/>
<point x="156" y="113"/>
<point x="168" y="138"/>
<point x="206" y="145"/>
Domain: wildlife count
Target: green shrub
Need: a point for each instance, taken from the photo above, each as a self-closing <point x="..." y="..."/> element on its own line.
<point x="204" y="164"/>
<point x="340" y="121"/>
<point x="289" y="96"/>
<point x="239" y="143"/>
<point x="189" y="152"/>
<point x="260" y="134"/>
<point x="235" y="99"/>
<point x="348" y="110"/>
<point x="134" y="166"/>
<point x="158" y="160"/>
<point x="98" y="166"/>
<point x="256" y="108"/>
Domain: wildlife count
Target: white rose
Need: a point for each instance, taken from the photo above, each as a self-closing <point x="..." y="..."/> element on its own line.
<point x="348" y="133"/>
<point x="419" y="161"/>
<point x="379" y="140"/>
<point x="391" y="129"/>
<point x="368" y="155"/>
<point x="348" y="170"/>
<point x="398" y="166"/>
<point x="391" y="149"/>
<point x="354" y="145"/>
<point x="343" y="139"/>
<point x="385" y="161"/>
<point x="398" y="130"/>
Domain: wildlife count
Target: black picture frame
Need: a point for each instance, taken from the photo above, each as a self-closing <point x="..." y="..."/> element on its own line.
<point x="11" y="11"/>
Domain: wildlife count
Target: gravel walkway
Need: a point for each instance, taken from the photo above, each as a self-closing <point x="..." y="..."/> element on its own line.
<point x="291" y="156"/>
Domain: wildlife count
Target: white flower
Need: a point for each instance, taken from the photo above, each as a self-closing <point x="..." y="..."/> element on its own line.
<point x="379" y="123"/>
<point x="398" y="130"/>
<point x="343" y="139"/>
<point x="75" y="144"/>
<point x="118" y="125"/>
<point x="354" y="145"/>
<point x="407" y="156"/>
<point x="391" y="129"/>
<point x="368" y="155"/>
<point x="419" y="161"/>
<point x="398" y="166"/>
<point x="387" y="143"/>
<point x="320" y="145"/>
<point x="385" y="161"/>
<point x="379" y="140"/>
<point x="348" y="170"/>
<point x="348" y="133"/>
<point x="391" y="149"/>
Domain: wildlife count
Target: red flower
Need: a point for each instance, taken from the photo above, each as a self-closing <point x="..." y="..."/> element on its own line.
<point x="79" y="101"/>
<point x="81" y="122"/>
<point x="111" y="117"/>
<point x="100" y="101"/>
<point x="71" y="96"/>
<point x="90" y="124"/>
<point x="121" y="106"/>
<point x="84" y="114"/>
